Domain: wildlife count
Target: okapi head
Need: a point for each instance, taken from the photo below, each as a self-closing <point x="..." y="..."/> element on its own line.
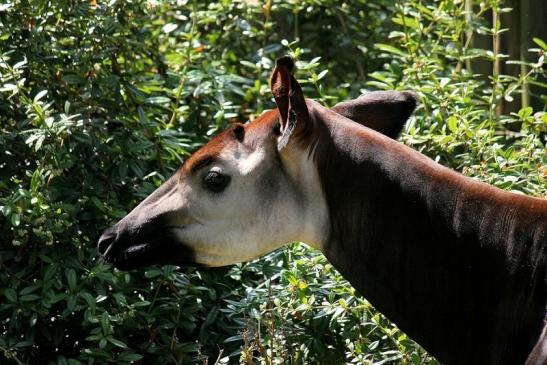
<point x="251" y="189"/>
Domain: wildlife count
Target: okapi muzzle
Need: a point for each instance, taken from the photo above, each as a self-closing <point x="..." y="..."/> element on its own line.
<point x="145" y="235"/>
<point x="459" y="265"/>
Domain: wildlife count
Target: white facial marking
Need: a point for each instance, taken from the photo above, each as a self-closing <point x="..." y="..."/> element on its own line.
<point x="249" y="163"/>
<point x="267" y="204"/>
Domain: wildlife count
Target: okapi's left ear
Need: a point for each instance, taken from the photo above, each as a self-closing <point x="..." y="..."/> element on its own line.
<point x="383" y="111"/>
<point x="294" y="117"/>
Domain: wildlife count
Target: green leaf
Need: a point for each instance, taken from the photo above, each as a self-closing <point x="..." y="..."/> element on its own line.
<point x="73" y="79"/>
<point x="540" y="43"/>
<point x="15" y="219"/>
<point x="115" y="342"/>
<point x="117" y="213"/>
<point x="89" y="299"/>
<point x="22" y="344"/>
<point x="28" y="289"/>
<point x="48" y="274"/>
<point x="8" y="87"/>
<point x="110" y="80"/>
<point x="40" y="95"/>
<point x="406" y="21"/>
<point x="6" y="209"/>
<point x="58" y="297"/>
<point x="211" y="316"/>
<point x="525" y="112"/>
<point x="452" y="123"/>
<point x="71" y="278"/>
<point x="97" y="203"/>
<point x="105" y="323"/>
<point x="251" y="65"/>
<point x="29" y="298"/>
<point x="20" y="64"/>
<point x="128" y="356"/>
<point x="169" y="27"/>
<point x="39" y="141"/>
<point x="10" y="295"/>
<point x="61" y="360"/>
<point x="71" y="303"/>
<point x="390" y="49"/>
<point x="143" y="303"/>
<point x="322" y="74"/>
<point x="158" y="100"/>
<point x="102" y="343"/>
<point x="33" y="320"/>
<point x="149" y="274"/>
<point x="142" y="115"/>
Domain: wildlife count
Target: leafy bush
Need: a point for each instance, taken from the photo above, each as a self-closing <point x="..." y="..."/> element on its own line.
<point x="100" y="102"/>
<point x="458" y="122"/>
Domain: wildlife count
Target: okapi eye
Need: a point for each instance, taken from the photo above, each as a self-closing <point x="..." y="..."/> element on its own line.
<point x="215" y="181"/>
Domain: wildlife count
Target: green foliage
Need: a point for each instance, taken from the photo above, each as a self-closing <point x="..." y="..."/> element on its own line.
<point x="458" y="122"/>
<point x="100" y="102"/>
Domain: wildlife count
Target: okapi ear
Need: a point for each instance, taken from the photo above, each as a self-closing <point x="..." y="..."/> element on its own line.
<point x="383" y="111"/>
<point x="289" y="99"/>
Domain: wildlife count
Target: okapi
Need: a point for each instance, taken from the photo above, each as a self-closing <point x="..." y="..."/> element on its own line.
<point x="457" y="264"/>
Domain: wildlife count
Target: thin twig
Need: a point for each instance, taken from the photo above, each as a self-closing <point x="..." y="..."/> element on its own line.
<point x="494" y="105"/>
<point x="185" y="67"/>
<point x="12" y="355"/>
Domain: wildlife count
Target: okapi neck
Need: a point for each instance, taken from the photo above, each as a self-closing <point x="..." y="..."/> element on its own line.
<point x="451" y="261"/>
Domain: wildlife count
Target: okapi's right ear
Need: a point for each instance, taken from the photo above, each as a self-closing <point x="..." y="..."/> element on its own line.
<point x="293" y="112"/>
<point x="383" y="111"/>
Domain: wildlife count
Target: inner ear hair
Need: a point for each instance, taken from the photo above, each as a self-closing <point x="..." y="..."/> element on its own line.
<point x="239" y="132"/>
<point x="280" y="84"/>
<point x="290" y="101"/>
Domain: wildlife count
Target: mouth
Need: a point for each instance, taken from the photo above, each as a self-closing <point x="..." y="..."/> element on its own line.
<point x="128" y="258"/>
<point x="163" y="250"/>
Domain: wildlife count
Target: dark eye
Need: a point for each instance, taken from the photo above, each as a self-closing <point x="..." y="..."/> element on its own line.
<point x="215" y="181"/>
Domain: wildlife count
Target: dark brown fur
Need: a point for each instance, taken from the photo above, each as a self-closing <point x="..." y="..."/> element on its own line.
<point x="457" y="264"/>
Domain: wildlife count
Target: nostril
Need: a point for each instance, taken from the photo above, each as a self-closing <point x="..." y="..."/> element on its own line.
<point x="106" y="239"/>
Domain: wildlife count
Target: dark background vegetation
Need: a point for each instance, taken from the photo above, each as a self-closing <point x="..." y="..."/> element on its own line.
<point x="101" y="101"/>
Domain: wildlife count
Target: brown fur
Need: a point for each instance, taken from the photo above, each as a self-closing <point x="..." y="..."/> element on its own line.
<point x="459" y="265"/>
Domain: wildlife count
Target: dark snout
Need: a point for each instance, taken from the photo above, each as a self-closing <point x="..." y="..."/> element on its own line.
<point x="147" y="235"/>
<point x="114" y="240"/>
<point x="129" y="245"/>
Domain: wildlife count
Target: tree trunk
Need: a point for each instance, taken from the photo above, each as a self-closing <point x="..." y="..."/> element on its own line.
<point x="526" y="21"/>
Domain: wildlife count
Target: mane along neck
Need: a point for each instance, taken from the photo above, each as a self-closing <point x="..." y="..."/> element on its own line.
<point x="457" y="264"/>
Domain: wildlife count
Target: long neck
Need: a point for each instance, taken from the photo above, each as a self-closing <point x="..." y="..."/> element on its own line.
<point x="457" y="264"/>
